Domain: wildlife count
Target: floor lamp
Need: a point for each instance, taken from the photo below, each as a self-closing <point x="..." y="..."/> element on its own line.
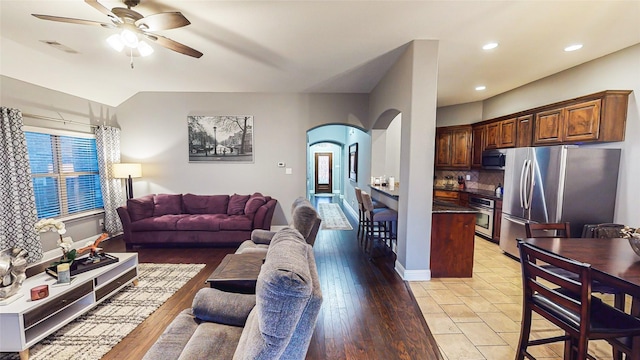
<point x="127" y="171"/>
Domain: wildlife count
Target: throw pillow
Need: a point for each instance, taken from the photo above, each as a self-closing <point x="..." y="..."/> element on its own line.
<point x="140" y="208"/>
<point x="253" y="204"/>
<point x="236" y="204"/>
<point x="166" y="204"/>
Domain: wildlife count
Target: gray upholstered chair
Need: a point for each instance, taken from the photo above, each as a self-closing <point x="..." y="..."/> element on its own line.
<point x="275" y="323"/>
<point x="380" y="223"/>
<point x="305" y="219"/>
<point x="362" y="219"/>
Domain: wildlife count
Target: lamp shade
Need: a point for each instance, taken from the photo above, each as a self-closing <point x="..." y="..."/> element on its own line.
<point x="124" y="170"/>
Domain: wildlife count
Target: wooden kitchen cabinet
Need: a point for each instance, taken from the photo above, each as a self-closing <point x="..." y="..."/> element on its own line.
<point x="452" y="241"/>
<point x="446" y="195"/>
<point x="453" y="147"/>
<point x="597" y="117"/>
<point x="501" y="134"/>
<point x="524" y="131"/>
<point x="477" y="145"/>
<point x="497" y="220"/>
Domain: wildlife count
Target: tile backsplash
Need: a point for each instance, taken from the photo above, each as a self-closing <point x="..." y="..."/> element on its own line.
<point x="480" y="179"/>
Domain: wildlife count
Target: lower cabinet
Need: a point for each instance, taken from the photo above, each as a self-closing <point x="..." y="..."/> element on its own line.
<point x="452" y="241"/>
<point x="497" y="220"/>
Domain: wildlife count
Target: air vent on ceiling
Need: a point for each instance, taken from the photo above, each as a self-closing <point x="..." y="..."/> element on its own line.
<point x="59" y="46"/>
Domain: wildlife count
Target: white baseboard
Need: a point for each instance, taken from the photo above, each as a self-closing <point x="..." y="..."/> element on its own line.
<point x="350" y="209"/>
<point x="412" y="275"/>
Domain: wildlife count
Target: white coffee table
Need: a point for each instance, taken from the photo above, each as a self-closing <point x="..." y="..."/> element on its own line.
<point x="24" y="322"/>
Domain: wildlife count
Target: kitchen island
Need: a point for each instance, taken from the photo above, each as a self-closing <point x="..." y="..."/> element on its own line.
<point x="452" y="240"/>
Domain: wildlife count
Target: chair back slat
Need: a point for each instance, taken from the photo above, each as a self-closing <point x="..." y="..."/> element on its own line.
<point x="556" y="288"/>
<point x="548" y="230"/>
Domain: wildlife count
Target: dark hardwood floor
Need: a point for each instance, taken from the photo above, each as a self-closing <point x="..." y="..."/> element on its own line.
<point x="368" y="311"/>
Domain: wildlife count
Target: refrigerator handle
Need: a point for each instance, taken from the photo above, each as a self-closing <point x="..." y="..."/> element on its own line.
<point x="521" y="187"/>
<point x="529" y="188"/>
<point x="513" y="220"/>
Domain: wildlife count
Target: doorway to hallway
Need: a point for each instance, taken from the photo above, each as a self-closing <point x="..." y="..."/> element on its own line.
<point x="324" y="173"/>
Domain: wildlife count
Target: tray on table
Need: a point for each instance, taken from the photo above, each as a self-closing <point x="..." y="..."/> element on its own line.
<point x="85" y="264"/>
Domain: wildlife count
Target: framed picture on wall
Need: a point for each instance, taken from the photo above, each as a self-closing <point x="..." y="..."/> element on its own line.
<point x="220" y="138"/>
<point x="353" y="162"/>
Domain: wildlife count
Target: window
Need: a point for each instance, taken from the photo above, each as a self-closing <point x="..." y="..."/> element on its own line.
<point x="64" y="171"/>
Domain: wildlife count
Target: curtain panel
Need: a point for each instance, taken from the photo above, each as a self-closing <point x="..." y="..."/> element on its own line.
<point x="17" y="200"/>
<point x="108" y="147"/>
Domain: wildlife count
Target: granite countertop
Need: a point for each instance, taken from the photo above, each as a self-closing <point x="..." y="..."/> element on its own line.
<point x="395" y="193"/>
<point x="485" y="193"/>
<point x="443" y="207"/>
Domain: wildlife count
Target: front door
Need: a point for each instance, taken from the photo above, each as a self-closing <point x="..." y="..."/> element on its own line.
<point x="324" y="166"/>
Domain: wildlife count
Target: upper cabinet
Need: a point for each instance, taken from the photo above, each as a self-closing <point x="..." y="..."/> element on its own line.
<point x="477" y="144"/>
<point x="598" y="117"/>
<point x="501" y="134"/>
<point x="453" y="147"/>
<point x="524" y="127"/>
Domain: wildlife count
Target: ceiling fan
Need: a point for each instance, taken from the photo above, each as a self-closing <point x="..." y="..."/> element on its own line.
<point x="133" y="23"/>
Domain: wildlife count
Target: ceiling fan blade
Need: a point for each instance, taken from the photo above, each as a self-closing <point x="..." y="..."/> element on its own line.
<point x="96" y="5"/>
<point x="162" y="21"/>
<point x="73" y="21"/>
<point x="173" y="45"/>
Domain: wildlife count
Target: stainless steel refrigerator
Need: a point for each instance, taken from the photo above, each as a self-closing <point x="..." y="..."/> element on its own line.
<point x="557" y="184"/>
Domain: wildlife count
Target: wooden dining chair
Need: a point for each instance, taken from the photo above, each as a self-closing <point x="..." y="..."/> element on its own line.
<point x="548" y="230"/>
<point x="567" y="303"/>
<point x="563" y="230"/>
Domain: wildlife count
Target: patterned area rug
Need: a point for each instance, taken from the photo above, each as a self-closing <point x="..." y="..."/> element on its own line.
<point x="332" y="217"/>
<point x="93" y="334"/>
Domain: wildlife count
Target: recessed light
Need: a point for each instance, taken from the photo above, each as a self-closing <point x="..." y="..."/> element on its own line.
<point x="490" y="46"/>
<point x="573" y="47"/>
<point x="480" y="88"/>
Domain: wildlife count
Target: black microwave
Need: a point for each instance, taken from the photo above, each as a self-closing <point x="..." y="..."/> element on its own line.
<point x="494" y="159"/>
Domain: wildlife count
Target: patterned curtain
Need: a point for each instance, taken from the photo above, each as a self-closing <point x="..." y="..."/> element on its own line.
<point x="108" y="146"/>
<point x="17" y="200"/>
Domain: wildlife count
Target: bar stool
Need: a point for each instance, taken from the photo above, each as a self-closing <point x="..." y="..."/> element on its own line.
<point x="361" y="212"/>
<point x="379" y="222"/>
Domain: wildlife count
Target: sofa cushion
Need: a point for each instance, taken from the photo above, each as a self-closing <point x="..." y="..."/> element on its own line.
<point x="305" y="218"/>
<point x="200" y="222"/>
<point x="283" y="290"/>
<point x="167" y="204"/>
<point x="140" y="208"/>
<point x="211" y="341"/>
<point x="174" y="338"/>
<point x="253" y="204"/>
<point x="205" y="204"/>
<point x="160" y="223"/>
<point x="236" y="222"/>
<point x="236" y="204"/>
<point x="223" y="307"/>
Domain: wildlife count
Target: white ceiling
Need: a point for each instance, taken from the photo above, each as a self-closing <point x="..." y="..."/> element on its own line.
<point x="313" y="46"/>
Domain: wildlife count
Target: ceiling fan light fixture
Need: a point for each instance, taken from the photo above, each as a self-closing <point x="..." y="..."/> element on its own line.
<point x="144" y="48"/>
<point x="129" y="38"/>
<point x="115" y="41"/>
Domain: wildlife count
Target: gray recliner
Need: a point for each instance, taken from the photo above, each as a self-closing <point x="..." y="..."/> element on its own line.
<point x="275" y="323"/>
<point x="305" y="219"/>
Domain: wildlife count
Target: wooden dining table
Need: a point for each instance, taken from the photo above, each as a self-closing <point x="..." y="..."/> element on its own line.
<point x="612" y="260"/>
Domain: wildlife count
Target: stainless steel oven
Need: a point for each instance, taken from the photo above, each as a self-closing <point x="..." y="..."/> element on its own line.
<point x="484" y="217"/>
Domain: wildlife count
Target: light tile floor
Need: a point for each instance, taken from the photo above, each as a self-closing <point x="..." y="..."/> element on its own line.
<point x="479" y="317"/>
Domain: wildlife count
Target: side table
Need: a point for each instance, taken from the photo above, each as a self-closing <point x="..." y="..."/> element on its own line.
<point x="237" y="273"/>
<point x="24" y="322"/>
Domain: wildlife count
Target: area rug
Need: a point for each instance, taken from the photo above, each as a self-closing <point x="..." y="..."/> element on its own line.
<point x="93" y="334"/>
<point x="332" y="217"/>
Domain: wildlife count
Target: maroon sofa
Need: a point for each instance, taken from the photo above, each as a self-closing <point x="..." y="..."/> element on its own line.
<point x="212" y="220"/>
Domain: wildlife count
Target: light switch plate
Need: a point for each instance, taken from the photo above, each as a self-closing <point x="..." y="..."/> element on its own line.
<point x="288" y="171"/>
